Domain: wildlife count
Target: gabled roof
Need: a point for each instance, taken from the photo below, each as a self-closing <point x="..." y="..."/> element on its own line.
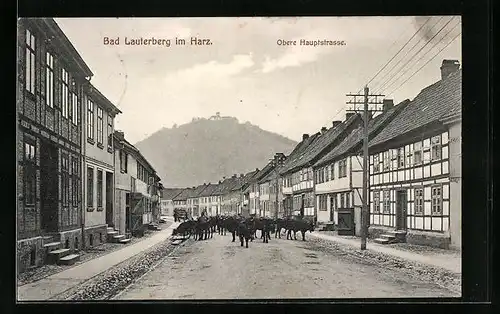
<point x="319" y="145"/>
<point x="297" y="151"/>
<point x="170" y="193"/>
<point x="270" y="176"/>
<point x="226" y="186"/>
<point x="210" y="188"/>
<point x="355" y="138"/>
<point x="429" y="106"/>
<point x="196" y="191"/>
<point x="244" y="181"/>
<point x="183" y="195"/>
<point x="102" y="101"/>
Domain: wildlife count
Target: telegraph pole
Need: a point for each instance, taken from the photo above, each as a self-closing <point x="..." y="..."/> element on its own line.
<point x="364" y="209"/>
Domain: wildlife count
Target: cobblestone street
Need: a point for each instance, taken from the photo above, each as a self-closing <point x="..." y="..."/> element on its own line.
<point x="218" y="268"/>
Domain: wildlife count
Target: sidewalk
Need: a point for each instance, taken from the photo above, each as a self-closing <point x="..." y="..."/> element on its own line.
<point x="448" y="260"/>
<point x="50" y="286"/>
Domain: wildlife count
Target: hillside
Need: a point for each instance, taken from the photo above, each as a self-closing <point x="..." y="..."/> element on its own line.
<point x="206" y="150"/>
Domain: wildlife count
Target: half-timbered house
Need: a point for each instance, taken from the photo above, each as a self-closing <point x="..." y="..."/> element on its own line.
<point x="167" y="201"/>
<point x="51" y="77"/>
<point x="410" y="166"/>
<point x="205" y="200"/>
<point x="300" y="167"/>
<point x="339" y="175"/>
<point x="193" y="201"/>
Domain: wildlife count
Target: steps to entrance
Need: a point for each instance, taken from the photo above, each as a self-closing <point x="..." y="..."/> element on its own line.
<point x="52" y="246"/>
<point x="115" y="237"/>
<point x="391" y="237"/>
<point x="124" y="241"/>
<point x="54" y="256"/>
<point x="69" y="259"/>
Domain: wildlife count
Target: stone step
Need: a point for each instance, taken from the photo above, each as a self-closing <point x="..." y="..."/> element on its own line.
<point x="112" y="233"/>
<point x="381" y="241"/>
<point x="54" y="256"/>
<point x="110" y="229"/>
<point x="52" y="245"/>
<point x="69" y="259"/>
<point x="389" y="237"/>
<point x="118" y="237"/>
<point x="124" y="241"/>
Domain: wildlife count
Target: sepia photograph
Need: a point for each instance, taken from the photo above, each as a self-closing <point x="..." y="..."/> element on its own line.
<point x="240" y="158"/>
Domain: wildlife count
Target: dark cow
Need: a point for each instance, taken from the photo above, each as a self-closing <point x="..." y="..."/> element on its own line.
<point x="231" y="225"/>
<point x="186" y="228"/>
<point x="245" y="231"/>
<point x="202" y="228"/>
<point x="265" y="225"/>
<point x="301" y="225"/>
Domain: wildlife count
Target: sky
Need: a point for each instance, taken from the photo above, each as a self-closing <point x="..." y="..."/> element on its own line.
<point x="247" y="74"/>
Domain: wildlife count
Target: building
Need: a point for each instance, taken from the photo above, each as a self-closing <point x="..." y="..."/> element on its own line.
<point x="223" y="194"/>
<point x="192" y="200"/>
<point x="180" y="201"/>
<point x="206" y="199"/>
<point x="338" y="182"/>
<point x="253" y="189"/>
<point x="242" y="200"/>
<point x="300" y="167"/>
<point x="167" y="201"/>
<point x="287" y="177"/>
<point x="412" y="177"/>
<point x="98" y="176"/>
<point x="50" y="82"/>
<point x="136" y="188"/>
<point x="271" y="193"/>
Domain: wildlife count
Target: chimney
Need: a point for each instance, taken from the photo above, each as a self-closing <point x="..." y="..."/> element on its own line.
<point x="349" y="115"/>
<point x="448" y="67"/>
<point x="335" y="123"/>
<point x="120" y="134"/>
<point x="387" y="104"/>
<point x="223" y="178"/>
<point x="323" y="130"/>
<point x="220" y="181"/>
<point x="241" y="175"/>
<point x="305" y="136"/>
<point x="234" y="176"/>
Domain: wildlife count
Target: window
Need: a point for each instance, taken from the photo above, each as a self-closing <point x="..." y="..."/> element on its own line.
<point x="29" y="172"/>
<point x="323" y="199"/>
<point x="100" y="138"/>
<point x="419" y="201"/>
<point x="332" y="171"/>
<point x="30" y="62"/>
<point x="99" y="188"/>
<point x="387" y="201"/>
<point x="49" y="80"/>
<point x="90" y="187"/>
<point x="342" y="200"/>
<point x="65" y="92"/>
<point x="386" y="161"/>
<point x="90" y="119"/>
<point x="417" y="153"/>
<point x="376" y="202"/>
<point x="401" y="157"/>
<point x="437" y="201"/>
<point x="123" y="162"/>
<point x="436" y="147"/>
<point x="110" y="131"/>
<point x="347" y="200"/>
<point x="343" y="168"/>
<point x="75" y="172"/>
<point x="76" y="108"/>
<point x="376" y="163"/>
<point x="65" y="179"/>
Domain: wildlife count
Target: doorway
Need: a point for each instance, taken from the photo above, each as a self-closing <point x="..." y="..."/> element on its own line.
<point x="109" y="199"/>
<point x="332" y="207"/>
<point x="127" y="212"/>
<point x="302" y="203"/>
<point x="49" y="186"/>
<point x="401" y="209"/>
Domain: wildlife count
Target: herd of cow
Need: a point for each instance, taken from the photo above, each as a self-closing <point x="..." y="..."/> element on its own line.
<point x="245" y="228"/>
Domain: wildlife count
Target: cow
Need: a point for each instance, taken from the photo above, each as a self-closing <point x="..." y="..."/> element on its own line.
<point x="231" y="224"/>
<point x="185" y="228"/>
<point x="301" y="225"/>
<point x="245" y="230"/>
<point x="280" y="224"/>
<point x="202" y="227"/>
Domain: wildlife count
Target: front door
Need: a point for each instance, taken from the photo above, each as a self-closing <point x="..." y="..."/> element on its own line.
<point x="401" y="210"/>
<point x="109" y="199"/>
<point x="302" y="202"/>
<point x="49" y="186"/>
<point x="332" y="207"/>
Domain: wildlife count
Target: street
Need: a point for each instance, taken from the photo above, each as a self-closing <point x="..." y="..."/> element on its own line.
<point x="220" y="269"/>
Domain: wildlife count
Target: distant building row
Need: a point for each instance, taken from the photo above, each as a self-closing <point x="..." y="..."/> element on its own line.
<point x="415" y="172"/>
<point x="77" y="178"/>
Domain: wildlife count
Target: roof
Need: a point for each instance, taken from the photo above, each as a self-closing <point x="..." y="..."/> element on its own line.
<point x="103" y="100"/>
<point x="226" y="186"/>
<point x="243" y="181"/>
<point x="431" y="105"/>
<point x="210" y="188"/>
<point x="196" y="191"/>
<point x="319" y="145"/>
<point x="183" y="195"/>
<point x="170" y="193"/>
<point x="297" y="151"/>
<point x="120" y="139"/>
<point x="270" y="176"/>
<point x="355" y="138"/>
